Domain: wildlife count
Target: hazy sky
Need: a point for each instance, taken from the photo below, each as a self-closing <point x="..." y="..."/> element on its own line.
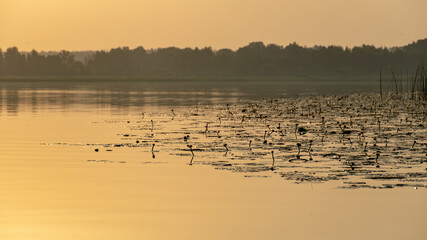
<point x="103" y="24"/>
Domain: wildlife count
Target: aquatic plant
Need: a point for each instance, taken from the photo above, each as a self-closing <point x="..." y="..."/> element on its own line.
<point x="369" y="123"/>
<point x="272" y="156"/>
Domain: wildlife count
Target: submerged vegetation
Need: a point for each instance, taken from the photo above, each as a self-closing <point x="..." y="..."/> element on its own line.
<point x="255" y="59"/>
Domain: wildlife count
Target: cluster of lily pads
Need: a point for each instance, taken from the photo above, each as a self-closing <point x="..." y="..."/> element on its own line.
<point x="360" y="140"/>
<point x="356" y="141"/>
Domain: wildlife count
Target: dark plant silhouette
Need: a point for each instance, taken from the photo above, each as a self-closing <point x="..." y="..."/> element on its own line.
<point x="255" y="59"/>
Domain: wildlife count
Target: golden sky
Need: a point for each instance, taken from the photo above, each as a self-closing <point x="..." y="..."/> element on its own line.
<point x="103" y="24"/>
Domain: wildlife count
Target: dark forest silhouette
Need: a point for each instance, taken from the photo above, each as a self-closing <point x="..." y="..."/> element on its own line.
<point x="255" y="59"/>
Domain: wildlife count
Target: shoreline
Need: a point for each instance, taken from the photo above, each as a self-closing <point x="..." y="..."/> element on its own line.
<point x="320" y="78"/>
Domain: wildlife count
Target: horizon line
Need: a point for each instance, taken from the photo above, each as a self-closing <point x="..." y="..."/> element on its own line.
<point x="214" y="49"/>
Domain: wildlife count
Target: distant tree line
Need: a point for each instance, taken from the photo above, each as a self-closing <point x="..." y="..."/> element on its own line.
<point x="255" y="59"/>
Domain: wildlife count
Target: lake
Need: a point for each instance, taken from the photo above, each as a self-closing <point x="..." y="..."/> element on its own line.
<point x="70" y="168"/>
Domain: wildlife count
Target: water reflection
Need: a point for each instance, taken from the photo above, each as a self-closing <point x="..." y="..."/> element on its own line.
<point x="12" y="102"/>
<point x="128" y="96"/>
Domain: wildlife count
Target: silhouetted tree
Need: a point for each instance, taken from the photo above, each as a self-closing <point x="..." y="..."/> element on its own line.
<point x="224" y="62"/>
<point x="36" y="64"/>
<point x="14" y="62"/>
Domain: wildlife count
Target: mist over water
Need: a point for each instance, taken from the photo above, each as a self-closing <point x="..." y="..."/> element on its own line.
<point x="132" y="95"/>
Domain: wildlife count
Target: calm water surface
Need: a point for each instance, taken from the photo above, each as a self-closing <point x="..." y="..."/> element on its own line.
<point x="51" y="191"/>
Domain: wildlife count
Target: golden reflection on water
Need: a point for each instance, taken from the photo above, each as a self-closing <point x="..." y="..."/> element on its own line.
<point x="53" y="192"/>
<point x="115" y="99"/>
